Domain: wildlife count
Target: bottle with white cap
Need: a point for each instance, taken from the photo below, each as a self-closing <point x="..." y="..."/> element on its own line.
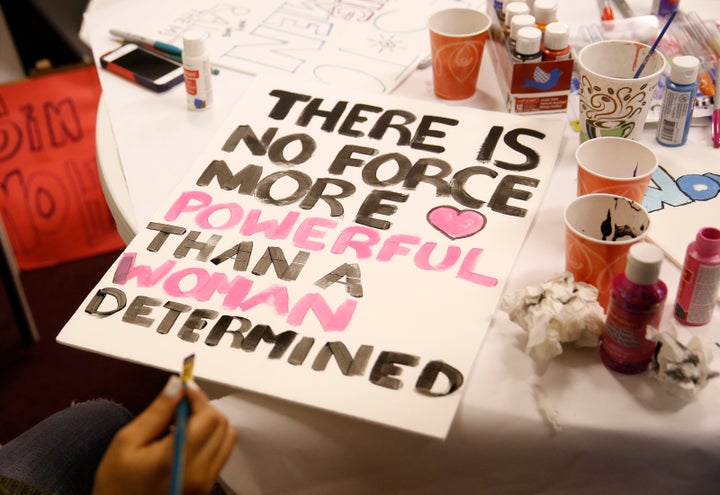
<point x="197" y="71"/>
<point x="556" y="42"/>
<point x="678" y="101"/>
<point x="527" y="45"/>
<point x="517" y="22"/>
<point x="513" y="9"/>
<point x="637" y="299"/>
<point x="545" y="12"/>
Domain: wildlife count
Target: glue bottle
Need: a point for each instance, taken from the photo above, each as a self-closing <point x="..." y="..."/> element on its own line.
<point x="700" y="279"/>
<point x="637" y="299"/>
<point x="197" y="71"/>
<point x="527" y="45"/>
<point x="678" y="101"/>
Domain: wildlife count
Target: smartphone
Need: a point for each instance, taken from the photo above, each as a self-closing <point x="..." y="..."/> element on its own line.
<point x="143" y="66"/>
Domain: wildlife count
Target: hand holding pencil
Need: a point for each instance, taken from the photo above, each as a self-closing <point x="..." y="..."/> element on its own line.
<point x="139" y="459"/>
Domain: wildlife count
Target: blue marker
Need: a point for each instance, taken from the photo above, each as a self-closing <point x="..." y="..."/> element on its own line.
<point x="158" y="45"/>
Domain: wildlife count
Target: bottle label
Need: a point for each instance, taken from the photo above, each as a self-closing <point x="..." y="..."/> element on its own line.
<point x="676" y="106"/>
<point x="624" y="335"/>
<point x="698" y="290"/>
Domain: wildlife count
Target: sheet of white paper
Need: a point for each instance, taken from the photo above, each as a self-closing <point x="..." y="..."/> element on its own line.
<point x="396" y="223"/>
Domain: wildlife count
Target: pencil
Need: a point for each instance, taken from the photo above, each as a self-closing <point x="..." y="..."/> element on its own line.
<point x="182" y="413"/>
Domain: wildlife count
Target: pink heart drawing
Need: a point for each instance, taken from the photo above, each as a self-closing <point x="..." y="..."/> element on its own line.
<point x="454" y="223"/>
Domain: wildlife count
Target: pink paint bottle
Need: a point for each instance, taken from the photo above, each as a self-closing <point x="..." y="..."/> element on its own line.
<point x="637" y="300"/>
<point x="700" y="279"/>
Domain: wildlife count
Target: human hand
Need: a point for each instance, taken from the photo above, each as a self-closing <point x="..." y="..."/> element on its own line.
<point x="139" y="459"/>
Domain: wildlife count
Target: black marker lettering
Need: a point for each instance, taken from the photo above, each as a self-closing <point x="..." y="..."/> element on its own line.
<point x="385" y="368"/>
<point x="190" y="241"/>
<point x="196" y="321"/>
<point x="506" y="190"/>
<point x="349" y="365"/>
<point x="373" y="205"/>
<point x="429" y="375"/>
<point x="164" y="231"/>
<point x="100" y="296"/>
<point x="221" y="328"/>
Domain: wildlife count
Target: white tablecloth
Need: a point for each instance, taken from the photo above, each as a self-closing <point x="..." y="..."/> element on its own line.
<point x="617" y="434"/>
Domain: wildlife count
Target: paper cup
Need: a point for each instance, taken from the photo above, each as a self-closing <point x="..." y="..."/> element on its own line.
<point x="457" y="40"/>
<point x="614" y="166"/>
<point x="599" y="230"/>
<point x="612" y="101"/>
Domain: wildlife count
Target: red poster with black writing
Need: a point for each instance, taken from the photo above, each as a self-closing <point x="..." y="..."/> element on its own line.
<point x="51" y="200"/>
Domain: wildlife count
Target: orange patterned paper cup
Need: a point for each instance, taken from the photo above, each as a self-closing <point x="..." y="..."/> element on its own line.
<point x="457" y="40"/>
<point x="614" y="165"/>
<point x="599" y="230"/>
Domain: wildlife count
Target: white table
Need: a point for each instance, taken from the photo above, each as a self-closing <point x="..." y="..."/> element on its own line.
<point x="620" y="434"/>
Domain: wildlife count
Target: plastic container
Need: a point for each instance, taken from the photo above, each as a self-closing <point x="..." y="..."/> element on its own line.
<point x="197" y="71"/>
<point x="698" y="289"/>
<point x="637" y="300"/>
<point x="527" y="45"/>
<point x="556" y="42"/>
<point x="678" y="101"/>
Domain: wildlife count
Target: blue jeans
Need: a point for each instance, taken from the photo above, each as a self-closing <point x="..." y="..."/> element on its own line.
<point x="62" y="453"/>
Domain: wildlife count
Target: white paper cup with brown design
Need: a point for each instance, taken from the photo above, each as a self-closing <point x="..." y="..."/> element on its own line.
<point x="612" y="101"/>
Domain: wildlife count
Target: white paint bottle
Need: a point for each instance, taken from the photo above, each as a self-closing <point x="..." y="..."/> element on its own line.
<point x="197" y="71"/>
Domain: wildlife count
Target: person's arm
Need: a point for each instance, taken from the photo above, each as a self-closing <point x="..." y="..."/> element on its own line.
<point x="139" y="459"/>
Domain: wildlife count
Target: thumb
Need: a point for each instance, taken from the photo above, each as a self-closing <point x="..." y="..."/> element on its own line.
<point x="158" y="416"/>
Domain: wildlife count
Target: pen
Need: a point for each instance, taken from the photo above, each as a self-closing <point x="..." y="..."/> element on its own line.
<point x="606" y="11"/>
<point x="716" y="111"/>
<point x="181" y="418"/>
<point x="159" y="45"/>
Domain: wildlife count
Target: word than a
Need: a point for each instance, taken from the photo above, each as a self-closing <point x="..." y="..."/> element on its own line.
<point x="436" y="378"/>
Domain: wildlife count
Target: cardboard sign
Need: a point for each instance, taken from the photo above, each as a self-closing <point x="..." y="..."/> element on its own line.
<point x="341" y="250"/>
<point x="52" y="203"/>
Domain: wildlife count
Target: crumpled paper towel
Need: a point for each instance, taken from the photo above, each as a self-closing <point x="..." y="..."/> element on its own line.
<point x="681" y="369"/>
<point x="556" y="312"/>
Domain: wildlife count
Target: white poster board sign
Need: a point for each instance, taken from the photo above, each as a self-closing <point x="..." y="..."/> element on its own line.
<point x="364" y="45"/>
<point x="341" y="250"/>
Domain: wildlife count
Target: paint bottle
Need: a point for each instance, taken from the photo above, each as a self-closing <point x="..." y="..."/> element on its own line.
<point x="545" y="12"/>
<point x="556" y="42"/>
<point x="197" y="71"/>
<point x="518" y="21"/>
<point x="636" y="300"/>
<point x="664" y="8"/>
<point x="678" y="101"/>
<point x="700" y="279"/>
<point x="513" y="9"/>
<point x="527" y="45"/>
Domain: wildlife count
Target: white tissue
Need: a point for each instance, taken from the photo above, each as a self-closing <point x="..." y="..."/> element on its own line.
<point x="557" y="312"/>
<point x="682" y="370"/>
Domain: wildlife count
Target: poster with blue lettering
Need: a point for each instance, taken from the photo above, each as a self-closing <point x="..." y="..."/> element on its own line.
<point x="683" y="196"/>
<point x="342" y="250"/>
